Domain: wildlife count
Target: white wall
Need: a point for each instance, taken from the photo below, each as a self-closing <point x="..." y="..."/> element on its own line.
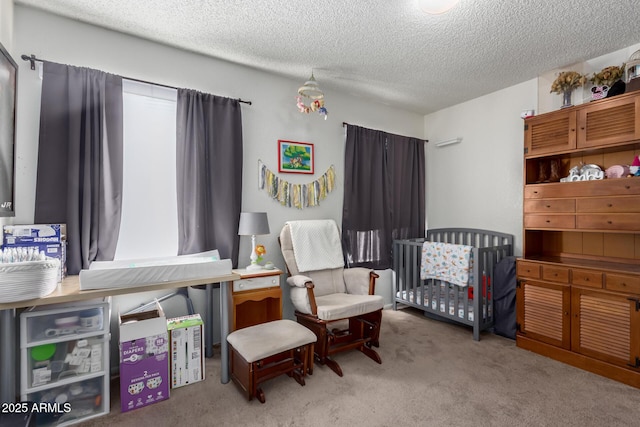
<point x="6" y="24"/>
<point x="553" y="101"/>
<point x="6" y="38"/>
<point x="272" y="116"/>
<point x="477" y="183"/>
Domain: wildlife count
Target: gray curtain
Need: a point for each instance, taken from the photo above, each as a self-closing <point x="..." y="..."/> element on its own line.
<point x="79" y="178"/>
<point x="209" y="170"/>
<point x="384" y="195"/>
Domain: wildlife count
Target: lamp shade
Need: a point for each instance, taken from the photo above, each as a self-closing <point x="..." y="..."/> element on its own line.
<point x="253" y="223"/>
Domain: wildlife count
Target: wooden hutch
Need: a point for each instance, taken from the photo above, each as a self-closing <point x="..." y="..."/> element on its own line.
<point x="578" y="295"/>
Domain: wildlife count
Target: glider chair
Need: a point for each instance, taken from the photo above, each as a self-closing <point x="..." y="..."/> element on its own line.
<point x="326" y="295"/>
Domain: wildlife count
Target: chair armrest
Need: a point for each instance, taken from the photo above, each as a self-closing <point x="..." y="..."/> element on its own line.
<point x="302" y="295"/>
<point x="299" y="281"/>
<point x="360" y="281"/>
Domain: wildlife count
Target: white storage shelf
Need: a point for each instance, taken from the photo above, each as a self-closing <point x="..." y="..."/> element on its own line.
<point x="65" y="361"/>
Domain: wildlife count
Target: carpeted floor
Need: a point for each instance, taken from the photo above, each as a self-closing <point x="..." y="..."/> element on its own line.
<point x="432" y="373"/>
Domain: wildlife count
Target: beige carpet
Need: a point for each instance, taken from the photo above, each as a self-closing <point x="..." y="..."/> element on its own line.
<point x="432" y="373"/>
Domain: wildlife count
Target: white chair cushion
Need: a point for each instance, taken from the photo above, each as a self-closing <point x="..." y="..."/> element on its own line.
<point x="341" y="306"/>
<point x="266" y="339"/>
<point x="300" y="299"/>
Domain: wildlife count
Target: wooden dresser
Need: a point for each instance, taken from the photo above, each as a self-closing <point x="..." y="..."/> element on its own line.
<point x="578" y="295"/>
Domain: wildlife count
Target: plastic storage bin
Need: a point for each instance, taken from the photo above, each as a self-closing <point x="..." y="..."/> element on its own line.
<point x="65" y="361"/>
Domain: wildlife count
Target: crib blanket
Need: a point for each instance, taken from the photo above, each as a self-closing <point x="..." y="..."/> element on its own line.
<point x="448" y="262"/>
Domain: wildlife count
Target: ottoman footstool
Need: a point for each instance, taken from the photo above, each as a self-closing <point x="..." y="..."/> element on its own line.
<point x="267" y="350"/>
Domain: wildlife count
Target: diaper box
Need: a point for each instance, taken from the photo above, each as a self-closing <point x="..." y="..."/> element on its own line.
<point x="186" y="350"/>
<point x="35" y="233"/>
<point x="144" y="359"/>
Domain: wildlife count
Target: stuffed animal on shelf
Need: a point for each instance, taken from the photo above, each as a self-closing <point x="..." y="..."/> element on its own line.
<point x="634" y="169"/>
<point x="617" y="171"/>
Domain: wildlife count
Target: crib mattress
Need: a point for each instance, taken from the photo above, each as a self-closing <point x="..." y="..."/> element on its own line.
<point x="442" y="306"/>
<point x="140" y="272"/>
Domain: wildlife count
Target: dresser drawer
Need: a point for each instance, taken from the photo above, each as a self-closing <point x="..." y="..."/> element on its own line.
<point x="602" y="187"/>
<point x="622" y="283"/>
<point x="555" y="274"/>
<point x="538" y="191"/>
<point x="614" y="187"/>
<point x="528" y="269"/>
<point x="255" y="283"/>
<point x="550" y="205"/>
<point x="590" y="278"/>
<point x="549" y="221"/>
<point x="608" y="205"/>
<point x="618" y="221"/>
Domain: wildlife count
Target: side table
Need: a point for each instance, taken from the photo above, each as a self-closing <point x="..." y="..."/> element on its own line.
<point x="255" y="298"/>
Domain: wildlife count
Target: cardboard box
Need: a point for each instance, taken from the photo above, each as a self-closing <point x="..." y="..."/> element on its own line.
<point x="186" y="352"/>
<point x="144" y="359"/>
<point x="21" y="235"/>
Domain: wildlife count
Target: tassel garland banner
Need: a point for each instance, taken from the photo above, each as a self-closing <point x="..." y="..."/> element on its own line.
<point x="296" y="195"/>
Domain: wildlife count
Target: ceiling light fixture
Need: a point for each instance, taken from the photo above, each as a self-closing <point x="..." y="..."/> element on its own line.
<point x="311" y="90"/>
<point x="436" y="7"/>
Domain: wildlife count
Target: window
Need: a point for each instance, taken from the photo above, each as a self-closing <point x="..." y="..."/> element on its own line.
<point x="149" y="203"/>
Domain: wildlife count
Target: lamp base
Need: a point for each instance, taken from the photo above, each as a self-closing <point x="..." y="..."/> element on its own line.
<point x="253" y="267"/>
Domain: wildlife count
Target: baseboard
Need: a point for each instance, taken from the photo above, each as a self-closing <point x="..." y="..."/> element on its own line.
<point x="627" y="376"/>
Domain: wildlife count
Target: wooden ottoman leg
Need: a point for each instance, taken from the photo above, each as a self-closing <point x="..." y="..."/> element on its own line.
<point x="242" y="373"/>
<point x="298" y="369"/>
<point x="260" y="395"/>
<point x="310" y="357"/>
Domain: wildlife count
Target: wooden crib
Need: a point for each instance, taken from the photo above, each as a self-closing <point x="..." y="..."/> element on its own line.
<point x="471" y="305"/>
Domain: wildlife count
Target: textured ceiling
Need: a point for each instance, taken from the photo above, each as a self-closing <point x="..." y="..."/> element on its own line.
<point x="385" y="50"/>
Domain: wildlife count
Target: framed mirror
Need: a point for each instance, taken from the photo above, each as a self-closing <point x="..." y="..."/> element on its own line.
<point x="8" y="86"/>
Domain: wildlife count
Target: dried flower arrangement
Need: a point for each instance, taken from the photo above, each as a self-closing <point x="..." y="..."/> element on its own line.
<point x="568" y="80"/>
<point x="608" y="75"/>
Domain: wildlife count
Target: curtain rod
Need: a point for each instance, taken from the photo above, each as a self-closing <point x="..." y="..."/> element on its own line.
<point x="32" y="59"/>
<point x="345" y="124"/>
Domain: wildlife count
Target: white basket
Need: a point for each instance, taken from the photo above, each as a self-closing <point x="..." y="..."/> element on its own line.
<point x="27" y="280"/>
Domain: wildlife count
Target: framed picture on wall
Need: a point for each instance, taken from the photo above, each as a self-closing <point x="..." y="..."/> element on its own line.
<point x="8" y="79"/>
<point x="295" y="157"/>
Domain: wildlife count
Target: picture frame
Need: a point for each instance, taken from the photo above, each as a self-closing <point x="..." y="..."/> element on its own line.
<point x="295" y="157"/>
<point x="8" y="88"/>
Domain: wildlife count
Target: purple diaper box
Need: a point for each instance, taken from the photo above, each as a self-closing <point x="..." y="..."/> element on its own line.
<point x="144" y="359"/>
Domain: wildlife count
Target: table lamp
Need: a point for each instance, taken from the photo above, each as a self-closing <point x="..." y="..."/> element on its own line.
<point x="252" y="224"/>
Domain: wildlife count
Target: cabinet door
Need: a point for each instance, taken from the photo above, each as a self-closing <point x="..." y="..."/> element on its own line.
<point x="609" y="122"/>
<point x="256" y="306"/>
<point x="543" y="312"/>
<point x="605" y="326"/>
<point x="551" y="133"/>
